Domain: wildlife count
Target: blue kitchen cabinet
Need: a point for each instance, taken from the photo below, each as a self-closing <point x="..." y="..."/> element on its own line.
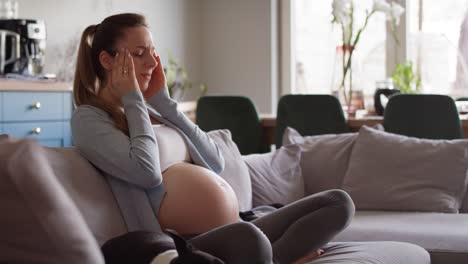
<point x="42" y="115"/>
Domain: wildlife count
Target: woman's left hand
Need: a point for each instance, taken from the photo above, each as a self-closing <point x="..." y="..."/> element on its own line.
<point x="158" y="79"/>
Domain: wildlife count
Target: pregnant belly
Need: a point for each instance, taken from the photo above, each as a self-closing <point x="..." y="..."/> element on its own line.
<point x="196" y="201"/>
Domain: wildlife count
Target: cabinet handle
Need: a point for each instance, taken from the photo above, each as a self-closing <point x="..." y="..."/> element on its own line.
<point x="36" y="131"/>
<point x="36" y="105"/>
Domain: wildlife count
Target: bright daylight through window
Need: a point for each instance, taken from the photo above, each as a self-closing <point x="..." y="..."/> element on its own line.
<point x="433" y="32"/>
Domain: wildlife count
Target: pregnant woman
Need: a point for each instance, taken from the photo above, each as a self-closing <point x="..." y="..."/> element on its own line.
<point x="163" y="170"/>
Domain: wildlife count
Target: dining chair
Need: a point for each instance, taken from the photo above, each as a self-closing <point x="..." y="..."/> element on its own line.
<point x="428" y="116"/>
<point x="309" y="114"/>
<point x="236" y="113"/>
<point x="462" y="99"/>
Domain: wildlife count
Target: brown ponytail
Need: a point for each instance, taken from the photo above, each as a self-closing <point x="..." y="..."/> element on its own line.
<point x="90" y="75"/>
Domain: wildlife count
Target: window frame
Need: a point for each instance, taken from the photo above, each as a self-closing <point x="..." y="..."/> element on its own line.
<point x="395" y="52"/>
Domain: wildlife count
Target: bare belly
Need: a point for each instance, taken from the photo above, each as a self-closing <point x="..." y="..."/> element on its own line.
<point x="196" y="201"/>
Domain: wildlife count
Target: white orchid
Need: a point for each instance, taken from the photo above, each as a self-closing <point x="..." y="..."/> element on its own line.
<point x="381" y="6"/>
<point x="392" y="10"/>
<point x="395" y="12"/>
<point x="342" y="11"/>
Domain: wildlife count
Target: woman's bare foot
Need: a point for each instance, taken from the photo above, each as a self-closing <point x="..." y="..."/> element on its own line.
<point x="312" y="255"/>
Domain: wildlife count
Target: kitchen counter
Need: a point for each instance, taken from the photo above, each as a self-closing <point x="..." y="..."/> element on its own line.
<point x="43" y="86"/>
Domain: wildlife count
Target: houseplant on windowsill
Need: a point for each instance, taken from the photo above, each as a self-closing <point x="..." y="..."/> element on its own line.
<point x="343" y="12"/>
<point x="405" y="79"/>
<point x="178" y="81"/>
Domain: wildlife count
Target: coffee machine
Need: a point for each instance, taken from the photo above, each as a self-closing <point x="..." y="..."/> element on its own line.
<point x="22" y="46"/>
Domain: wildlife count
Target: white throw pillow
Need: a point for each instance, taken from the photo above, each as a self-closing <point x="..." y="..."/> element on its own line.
<point x="235" y="171"/>
<point x="324" y="158"/>
<point x="394" y="172"/>
<point x="276" y="176"/>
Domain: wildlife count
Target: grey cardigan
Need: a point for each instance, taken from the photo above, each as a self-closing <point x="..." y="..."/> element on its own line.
<point x="131" y="163"/>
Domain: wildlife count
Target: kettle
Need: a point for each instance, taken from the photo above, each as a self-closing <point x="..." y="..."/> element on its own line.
<point x="9" y="49"/>
<point x="381" y="97"/>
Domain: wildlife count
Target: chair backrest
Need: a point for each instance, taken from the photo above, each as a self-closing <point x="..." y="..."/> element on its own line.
<point x="423" y="115"/>
<point x="236" y="113"/>
<point x="462" y="99"/>
<point x="311" y="114"/>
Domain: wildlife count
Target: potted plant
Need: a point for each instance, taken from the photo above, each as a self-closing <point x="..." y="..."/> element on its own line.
<point x="343" y="12"/>
<point x="178" y="81"/>
<point x="405" y="79"/>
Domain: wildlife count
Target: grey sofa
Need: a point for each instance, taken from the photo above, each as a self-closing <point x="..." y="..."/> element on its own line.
<point x="378" y="170"/>
<point x="445" y="236"/>
<point x="92" y="196"/>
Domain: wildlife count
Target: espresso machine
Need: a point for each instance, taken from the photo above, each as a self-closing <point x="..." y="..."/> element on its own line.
<point x="22" y="46"/>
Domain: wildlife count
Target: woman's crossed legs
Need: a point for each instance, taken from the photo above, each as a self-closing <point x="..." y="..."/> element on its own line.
<point x="285" y="235"/>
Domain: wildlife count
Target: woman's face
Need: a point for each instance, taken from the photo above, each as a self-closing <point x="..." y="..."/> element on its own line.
<point x="139" y="42"/>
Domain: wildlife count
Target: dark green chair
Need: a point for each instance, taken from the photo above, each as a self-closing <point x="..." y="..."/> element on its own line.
<point x="236" y="113"/>
<point x="462" y="99"/>
<point x="311" y="114"/>
<point x="423" y="115"/>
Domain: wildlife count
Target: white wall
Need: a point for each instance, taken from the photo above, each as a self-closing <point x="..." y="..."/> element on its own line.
<point x="238" y="51"/>
<point x="229" y="45"/>
<point x="175" y="25"/>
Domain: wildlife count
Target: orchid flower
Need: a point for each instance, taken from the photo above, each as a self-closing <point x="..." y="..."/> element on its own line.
<point x="343" y="12"/>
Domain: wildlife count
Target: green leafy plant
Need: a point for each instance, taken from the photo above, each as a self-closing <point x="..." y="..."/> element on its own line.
<point x="178" y="81"/>
<point x="405" y="79"/>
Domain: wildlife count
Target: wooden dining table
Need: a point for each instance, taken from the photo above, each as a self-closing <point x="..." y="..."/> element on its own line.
<point x="268" y="123"/>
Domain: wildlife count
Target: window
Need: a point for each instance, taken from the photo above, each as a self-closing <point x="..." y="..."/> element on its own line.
<point x="316" y="42"/>
<point x="433" y="45"/>
<point x="432" y="29"/>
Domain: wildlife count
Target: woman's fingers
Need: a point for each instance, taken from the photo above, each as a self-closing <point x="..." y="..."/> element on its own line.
<point x="123" y="74"/>
<point x="115" y="65"/>
<point x="130" y="66"/>
<point x="124" y="62"/>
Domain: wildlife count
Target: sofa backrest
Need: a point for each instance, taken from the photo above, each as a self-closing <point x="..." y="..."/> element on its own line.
<point x="90" y="192"/>
<point x="464" y="209"/>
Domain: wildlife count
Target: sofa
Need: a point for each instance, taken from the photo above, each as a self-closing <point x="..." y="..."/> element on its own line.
<point x="58" y="208"/>
<point x="405" y="189"/>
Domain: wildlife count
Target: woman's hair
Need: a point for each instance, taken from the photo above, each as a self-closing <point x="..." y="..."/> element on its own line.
<point x="90" y="75"/>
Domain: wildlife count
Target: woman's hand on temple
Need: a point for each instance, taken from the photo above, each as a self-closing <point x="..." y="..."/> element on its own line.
<point x="158" y="79"/>
<point x="123" y="77"/>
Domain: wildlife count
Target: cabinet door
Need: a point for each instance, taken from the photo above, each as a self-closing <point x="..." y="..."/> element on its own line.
<point x="50" y="133"/>
<point x="52" y="143"/>
<point x="67" y="137"/>
<point x="67" y="105"/>
<point x="32" y="106"/>
<point x="1" y="103"/>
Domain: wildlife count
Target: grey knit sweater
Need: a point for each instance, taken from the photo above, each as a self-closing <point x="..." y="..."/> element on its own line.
<point x="131" y="163"/>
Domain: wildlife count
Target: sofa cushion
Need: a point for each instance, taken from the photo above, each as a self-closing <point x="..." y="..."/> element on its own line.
<point x="394" y="172"/>
<point x="276" y="176"/>
<point x="381" y="252"/>
<point x="441" y="234"/>
<point x="90" y="192"/>
<point x="464" y="208"/>
<point x="39" y="222"/>
<point x="235" y="171"/>
<point x="324" y="158"/>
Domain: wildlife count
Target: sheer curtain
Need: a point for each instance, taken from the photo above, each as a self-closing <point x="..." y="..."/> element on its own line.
<point x="436" y="44"/>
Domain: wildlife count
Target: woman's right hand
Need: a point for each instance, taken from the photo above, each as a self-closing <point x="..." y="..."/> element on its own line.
<point x="123" y="77"/>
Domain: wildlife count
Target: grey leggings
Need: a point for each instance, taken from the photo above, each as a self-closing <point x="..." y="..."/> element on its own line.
<point x="283" y="236"/>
